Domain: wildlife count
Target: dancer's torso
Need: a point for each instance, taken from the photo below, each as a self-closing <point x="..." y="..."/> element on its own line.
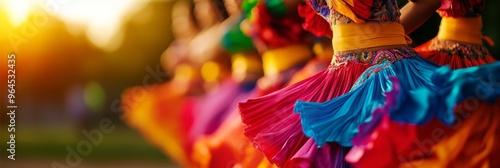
<point x="365" y="31"/>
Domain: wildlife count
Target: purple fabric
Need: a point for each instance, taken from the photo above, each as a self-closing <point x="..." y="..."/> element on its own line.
<point x="321" y="7"/>
<point x="214" y="107"/>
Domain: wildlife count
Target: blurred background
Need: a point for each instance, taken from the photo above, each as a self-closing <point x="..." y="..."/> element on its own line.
<point x="74" y="59"/>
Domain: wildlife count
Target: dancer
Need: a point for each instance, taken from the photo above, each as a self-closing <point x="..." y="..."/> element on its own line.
<point x="156" y="111"/>
<point x="368" y="33"/>
<point x="459" y="42"/>
<point x="427" y="93"/>
<point x="228" y="146"/>
<point x="224" y="146"/>
<point x="167" y="113"/>
<point x="275" y="130"/>
<point x="348" y="111"/>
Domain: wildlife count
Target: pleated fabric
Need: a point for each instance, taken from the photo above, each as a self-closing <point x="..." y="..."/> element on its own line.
<point x="211" y="109"/>
<point x="454" y="54"/>
<point x="228" y="146"/>
<point x="475" y="144"/>
<point x="469" y="141"/>
<point x="337" y="120"/>
<point x="269" y="120"/>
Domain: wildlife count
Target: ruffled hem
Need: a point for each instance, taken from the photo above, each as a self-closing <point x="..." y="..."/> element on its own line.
<point x="338" y="119"/>
<point x="472" y="140"/>
<point x="314" y="23"/>
<point x="329" y="155"/>
<point x="380" y="141"/>
<point x="269" y="120"/>
<point x="214" y="107"/>
<point x="157" y="114"/>
<point x="475" y="143"/>
<point x="453" y="54"/>
<point x="227" y="147"/>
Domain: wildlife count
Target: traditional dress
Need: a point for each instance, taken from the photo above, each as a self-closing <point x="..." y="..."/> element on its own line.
<point x="337" y="120"/>
<point x="174" y="114"/>
<point x="273" y="127"/>
<point x="370" y="46"/>
<point x="157" y="112"/>
<point x="228" y="146"/>
<point x="225" y="145"/>
<point x="459" y="42"/>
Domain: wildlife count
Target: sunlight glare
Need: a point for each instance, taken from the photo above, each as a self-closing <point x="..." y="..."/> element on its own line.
<point x="18" y="10"/>
<point x="102" y="20"/>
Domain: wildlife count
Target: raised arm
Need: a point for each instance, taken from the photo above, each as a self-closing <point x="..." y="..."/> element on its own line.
<point x="416" y="12"/>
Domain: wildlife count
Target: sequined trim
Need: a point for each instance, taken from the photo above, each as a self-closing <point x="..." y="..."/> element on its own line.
<point x="373" y="57"/>
<point x="471" y="51"/>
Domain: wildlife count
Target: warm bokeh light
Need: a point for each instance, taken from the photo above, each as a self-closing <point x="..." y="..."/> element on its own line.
<point x="94" y="96"/>
<point x="18" y="10"/>
<point x="210" y="71"/>
<point x="102" y="20"/>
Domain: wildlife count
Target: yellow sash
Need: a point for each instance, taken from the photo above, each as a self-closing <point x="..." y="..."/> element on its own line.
<point x="463" y="29"/>
<point x="354" y="36"/>
<point x="277" y="60"/>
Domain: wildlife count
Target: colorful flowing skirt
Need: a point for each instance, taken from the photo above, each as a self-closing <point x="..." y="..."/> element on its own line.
<point x="454" y="54"/>
<point x="471" y="141"/>
<point x="157" y="114"/>
<point x="210" y="110"/>
<point x="173" y="121"/>
<point x="428" y="94"/>
<point x="228" y="146"/>
<point x="274" y="129"/>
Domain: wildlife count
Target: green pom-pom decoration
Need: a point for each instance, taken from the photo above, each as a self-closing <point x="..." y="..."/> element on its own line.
<point x="235" y="40"/>
<point x="276" y="7"/>
<point x="248" y="5"/>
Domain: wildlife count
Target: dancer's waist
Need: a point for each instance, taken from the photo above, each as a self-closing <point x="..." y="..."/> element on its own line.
<point x="355" y="37"/>
<point x="462" y="29"/>
<point x="373" y="57"/>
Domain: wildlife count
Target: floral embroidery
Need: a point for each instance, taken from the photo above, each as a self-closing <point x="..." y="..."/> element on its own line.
<point x="369" y="72"/>
<point x="471" y="51"/>
<point x="381" y="10"/>
<point x="373" y="57"/>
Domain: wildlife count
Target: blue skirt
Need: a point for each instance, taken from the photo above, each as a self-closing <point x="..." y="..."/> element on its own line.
<point x="427" y="91"/>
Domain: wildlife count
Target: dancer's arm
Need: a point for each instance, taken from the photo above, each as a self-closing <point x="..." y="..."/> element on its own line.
<point x="416" y="12"/>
